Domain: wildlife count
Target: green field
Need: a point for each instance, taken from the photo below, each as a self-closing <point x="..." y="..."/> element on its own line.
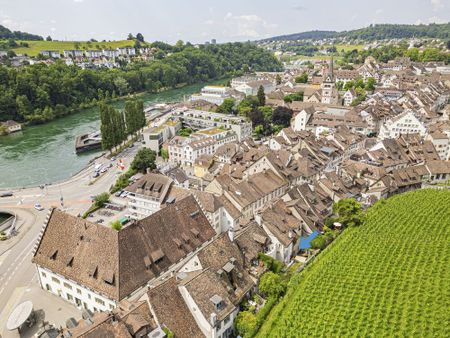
<point x="35" y="47"/>
<point x="387" y="278"/>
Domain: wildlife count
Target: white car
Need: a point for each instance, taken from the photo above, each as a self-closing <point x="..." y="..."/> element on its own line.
<point x="38" y="207"/>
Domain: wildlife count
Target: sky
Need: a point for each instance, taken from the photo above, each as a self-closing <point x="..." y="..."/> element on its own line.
<point x="201" y="20"/>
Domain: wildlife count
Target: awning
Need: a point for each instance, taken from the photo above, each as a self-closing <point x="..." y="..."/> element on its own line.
<point x="305" y="242"/>
<point x="20" y="315"/>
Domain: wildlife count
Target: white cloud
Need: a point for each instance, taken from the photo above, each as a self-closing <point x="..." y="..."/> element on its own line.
<point x="435" y="19"/>
<point x="78" y="1"/>
<point x="209" y="22"/>
<point x="249" y="26"/>
<point x="378" y="11"/>
<point x="436" y="4"/>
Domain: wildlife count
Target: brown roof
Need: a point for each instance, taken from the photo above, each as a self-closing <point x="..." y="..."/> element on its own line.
<point x="151" y="185"/>
<point x="223" y="275"/>
<point x="171" y="310"/>
<point x="116" y="263"/>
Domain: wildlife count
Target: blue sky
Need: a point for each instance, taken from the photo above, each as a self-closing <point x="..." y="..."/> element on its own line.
<point x="201" y="20"/>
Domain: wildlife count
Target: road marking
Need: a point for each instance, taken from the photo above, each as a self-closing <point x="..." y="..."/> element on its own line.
<point x="24" y="253"/>
<point x="12" y="302"/>
<point x="3" y="257"/>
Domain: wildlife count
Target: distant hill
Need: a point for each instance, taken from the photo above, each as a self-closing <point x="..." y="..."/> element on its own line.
<point x="375" y="32"/>
<point x="5" y="34"/>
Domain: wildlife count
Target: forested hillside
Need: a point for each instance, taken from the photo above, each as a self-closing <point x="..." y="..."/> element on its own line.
<point x="5" y="34"/>
<point x="376" y="32"/>
<point x="41" y="92"/>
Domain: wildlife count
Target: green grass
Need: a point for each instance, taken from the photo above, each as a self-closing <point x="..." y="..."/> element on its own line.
<point x="35" y="47"/>
<point x="388" y="278"/>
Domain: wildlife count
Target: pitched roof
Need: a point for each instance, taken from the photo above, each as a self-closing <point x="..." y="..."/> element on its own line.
<point x="171" y="310"/>
<point x="116" y="263"/>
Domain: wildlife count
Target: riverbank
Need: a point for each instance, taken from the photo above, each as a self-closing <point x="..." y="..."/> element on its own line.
<point x="120" y="99"/>
<point x="44" y="154"/>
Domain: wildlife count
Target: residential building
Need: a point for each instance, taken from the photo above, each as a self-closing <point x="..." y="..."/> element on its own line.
<point x="349" y="96"/>
<point x="155" y="137"/>
<point x="74" y="53"/>
<point x="185" y="150"/>
<point x="217" y="94"/>
<point x="147" y="195"/>
<point x="95" y="267"/>
<point x="198" y="119"/>
<point x="404" y="123"/>
<point x="51" y="54"/>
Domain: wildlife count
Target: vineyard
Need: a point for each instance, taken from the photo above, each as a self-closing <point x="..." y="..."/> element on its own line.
<point x="387" y="278"/>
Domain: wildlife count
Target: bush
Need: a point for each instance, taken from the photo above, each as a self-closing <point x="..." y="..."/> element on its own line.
<point x="319" y="242"/>
<point x="101" y="199"/>
<point x="116" y="225"/>
<point x="272" y="285"/>
<point x="270" y="263"/>
<point x="246" y="324"/>
<point x="122" y="181"/>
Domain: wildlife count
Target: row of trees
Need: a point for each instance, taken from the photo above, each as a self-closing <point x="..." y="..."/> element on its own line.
<point x="40" y="92"/>
<point x="115" y="126"/>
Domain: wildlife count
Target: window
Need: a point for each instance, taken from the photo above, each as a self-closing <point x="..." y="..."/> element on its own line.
<point x="43" y="274"/>
<point x="79" y="291"/>
<point x="67" y="285"/>
<point x="99" y="301"/>
<point x="69" y="297"/>
<point x="56" y="280"/>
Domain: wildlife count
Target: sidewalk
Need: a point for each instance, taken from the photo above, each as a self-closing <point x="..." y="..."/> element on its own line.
<point x="56" y="312"/>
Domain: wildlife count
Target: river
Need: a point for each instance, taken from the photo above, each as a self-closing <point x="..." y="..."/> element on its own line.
<point x="46" y="153"/>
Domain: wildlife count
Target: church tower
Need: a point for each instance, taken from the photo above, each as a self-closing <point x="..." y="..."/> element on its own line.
<point x="330" y="94"/>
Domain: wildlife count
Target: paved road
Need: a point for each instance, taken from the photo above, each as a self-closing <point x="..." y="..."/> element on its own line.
<point x="16" y="270"/>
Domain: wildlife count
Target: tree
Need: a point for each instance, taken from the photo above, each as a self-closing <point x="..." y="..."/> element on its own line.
<point x="302" y="78"/>
<point x="448" y="44"/>
<point x="370" y="84"/>
<point x="165" y="154"/>
<point x="101" y="199"/>
<point x="319" y="242"/>
<point x="49" y="38"/>
<point x="121" y="85"/>
<point x="349" y="84"/>
<point x="271" y="284"/>
<point x="130" y="36"/>
<point x="349" y="212"/>
<point x="245" y="323"/>
<point x="282" y="116"/>
<point x="259" y="130"/>
<point x="227" y="106"/>
<point x="144" y="159"/>
<point x="106" y="127"/>
<point x="140" y="37"/>
<point x="116" y="225"/>
<point x="278" y="79"/>
<point x="261" y="96"/>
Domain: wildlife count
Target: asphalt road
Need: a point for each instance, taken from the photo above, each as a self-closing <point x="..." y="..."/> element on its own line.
<point x="16" y="269"/>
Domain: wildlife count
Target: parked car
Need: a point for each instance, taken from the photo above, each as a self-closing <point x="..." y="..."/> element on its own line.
<point x="117" y="194"/>
<point x="104" y="170"/>
<point x="95" y="175"/>
<point x="6" y="194"/>
<point x="113" y="159"/>
<point x="38" y="207"/>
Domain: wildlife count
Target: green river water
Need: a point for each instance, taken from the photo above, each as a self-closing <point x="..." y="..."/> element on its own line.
<point x="46" y="153"/>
